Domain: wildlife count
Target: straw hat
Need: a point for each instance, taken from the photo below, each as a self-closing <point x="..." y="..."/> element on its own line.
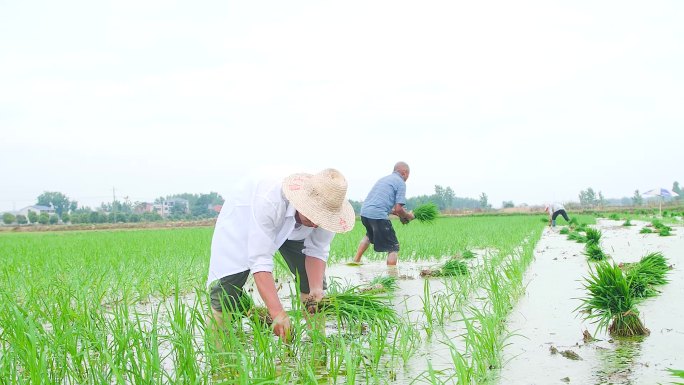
<point x="321" y="198"/>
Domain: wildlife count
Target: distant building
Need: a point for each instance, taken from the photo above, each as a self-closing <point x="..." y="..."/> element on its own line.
<point x="38" y="209"/>
<point x="168" y="206"/>
<point x="144" y="207"/>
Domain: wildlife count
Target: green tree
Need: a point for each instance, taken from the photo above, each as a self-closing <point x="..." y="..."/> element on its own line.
<point x="484" y="201"/>
<point x="53" y="219"/>
<point x="8" y="218"/>
<point x="56" y="200"/>
<point x="66" y="217"/>
<point x="507" y="204"/>
<point x="588" y="197"/>
<point x="21" y="219"/>
<point x="43" y="218"/>
<point x="32" y="216"/>
<point x="637" y="200"/>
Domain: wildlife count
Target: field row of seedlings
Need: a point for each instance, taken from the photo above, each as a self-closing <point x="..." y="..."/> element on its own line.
<point x="131" y="307"/>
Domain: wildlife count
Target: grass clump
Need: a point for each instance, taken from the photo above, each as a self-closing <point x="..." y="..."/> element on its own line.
<point x="610" y="302"/>
<point x="426" y="213"/>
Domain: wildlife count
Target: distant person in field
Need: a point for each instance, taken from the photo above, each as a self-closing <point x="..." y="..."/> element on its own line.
<point x="554" y="210"/>
<point x="298" y="216"/>
<point x="388" y="196"/>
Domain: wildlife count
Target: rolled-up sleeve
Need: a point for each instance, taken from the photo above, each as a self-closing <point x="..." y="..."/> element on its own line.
<point x="317" y="244"/>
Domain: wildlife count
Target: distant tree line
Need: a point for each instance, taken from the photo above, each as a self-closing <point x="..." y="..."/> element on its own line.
<point x="197" y="206"/>
<point x="444" y="198"/>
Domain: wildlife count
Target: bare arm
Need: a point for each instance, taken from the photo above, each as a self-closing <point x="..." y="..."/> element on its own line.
<point x="267" y="290"/>
<point x="399" y="211"/>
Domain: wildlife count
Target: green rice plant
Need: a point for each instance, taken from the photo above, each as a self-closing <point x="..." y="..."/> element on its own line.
<point x="467" y="254"/>
<point x="382" y="283"/>
<point x="645" y="230"/>
<point x="627" y="223"/>
<point x="427" y="212"/>
<point x="573" y="221"/>
<point x="593" y="236"/>
<point x="610" y="303"/>
<point x="642" y="276"/>
<point x="577" y="237"/>
<point x="594" y="252"/>
<point x="565" y="230"/>
<point x="354" y="306"/>
<point x="664" y="231"/>
<point x="678" y="374"/>
<point x="614" y="217"/>
<point x="451" y="268"/>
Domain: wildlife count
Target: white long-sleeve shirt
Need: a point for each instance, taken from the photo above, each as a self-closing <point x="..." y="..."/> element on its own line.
<point x="553" y="207"/>
<point x="254" y="222"/>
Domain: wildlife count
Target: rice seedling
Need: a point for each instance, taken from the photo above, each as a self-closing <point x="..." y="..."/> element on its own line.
<point x="628" y="223"/>
<point x="467" y="254"/>
<point x="614" y="217"/>
<point x="664" y="231"/>
<point x="594" y="252"/>
<point x="381" y="283"/>
<point x="645" y="230"/>
<point x="565" y="230"/>
<point x="426" y="212"/>
<point x="577" y="237"/>
<point x="593" y="236"/>
<point x="354" y="306"/>
<point x="642" y="276"/>
<point x="676" y="373"/>
<point x="451" y="268"/>
<point x="610" y="303"/>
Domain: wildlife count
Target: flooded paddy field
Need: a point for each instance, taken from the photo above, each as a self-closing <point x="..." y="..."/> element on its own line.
<point x="131" y="307"/>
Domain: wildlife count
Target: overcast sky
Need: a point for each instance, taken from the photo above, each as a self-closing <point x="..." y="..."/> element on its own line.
<point x="527" y="101"/>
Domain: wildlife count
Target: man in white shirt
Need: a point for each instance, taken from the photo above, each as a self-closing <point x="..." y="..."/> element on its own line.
<point x="554" y="210"/>
<point x="298" y="216"/>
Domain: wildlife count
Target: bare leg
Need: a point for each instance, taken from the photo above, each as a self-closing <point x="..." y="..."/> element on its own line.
<point x="363" y="246"/>
<point x="392" y="258"/>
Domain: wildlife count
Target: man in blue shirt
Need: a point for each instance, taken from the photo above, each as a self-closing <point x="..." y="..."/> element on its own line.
<point x="388" y="196"/>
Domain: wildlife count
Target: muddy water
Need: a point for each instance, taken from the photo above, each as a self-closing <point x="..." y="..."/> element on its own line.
<point x="544" y="316"/>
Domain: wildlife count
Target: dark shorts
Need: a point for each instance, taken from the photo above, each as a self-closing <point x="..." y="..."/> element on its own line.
<point x="562" y="213"/>
<point x="227" y="292"/>
<point x="381" y="234"/>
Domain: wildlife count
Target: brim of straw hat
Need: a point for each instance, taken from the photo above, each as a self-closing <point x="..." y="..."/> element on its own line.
<point x="336" y="221"/>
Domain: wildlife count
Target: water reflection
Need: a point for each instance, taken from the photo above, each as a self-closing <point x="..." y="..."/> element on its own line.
<point x="616" y="365"/>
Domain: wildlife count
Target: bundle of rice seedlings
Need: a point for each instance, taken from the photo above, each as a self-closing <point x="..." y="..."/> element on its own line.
<point x="573" y="221"/>
<point x="451" y="268"/>
<point x="650" y="271"/>
<point x="593" y="236"/>
<point x="594" y="252"/>
<point x="353" y="306"/>
<point x="664" y="231"/>
<point x="467" y="254"/>
<point x="627" y="223"/>
<point x="382" y="283"/>
<point x="565" y="230"/>
<point x="260" y="316"/>
<point x="577" y="237"/>
<point x="676" y="373"/>
<point x="426" y="213"/>
<point x="614" y="217"/>
<point x="610" y="303"/>
<point x="645" y="230"/>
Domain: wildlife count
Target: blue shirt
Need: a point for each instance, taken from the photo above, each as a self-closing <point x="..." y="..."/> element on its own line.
<point x="387" y="192"/>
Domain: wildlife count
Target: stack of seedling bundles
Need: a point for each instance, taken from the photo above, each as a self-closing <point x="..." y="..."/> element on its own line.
<point x="660" y="228"/>
<point x="613" y="293"/>
<point x="356" y="306"/>
<point x="610" y="302"/>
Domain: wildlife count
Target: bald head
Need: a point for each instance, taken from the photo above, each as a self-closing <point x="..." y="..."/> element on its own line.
<point x="403" y="169"/>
